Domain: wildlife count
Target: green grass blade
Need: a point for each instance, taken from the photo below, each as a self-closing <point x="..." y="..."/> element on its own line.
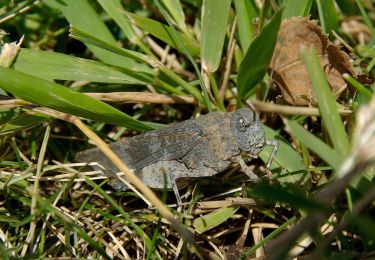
<point x="82" y="15"/>
<point x="246" y="11"/>
<point x="361" y="89"/>
<point x="347" y="7"/>
<point x="213" y="219"/>
<point x="21" y="122"/>
<point x="125" y="53"/>
<point x="175" y="10"/>
<point x="288" y="165"/>
<point x="87" y="38"/>
<point x="289" y="193"/>
<point x="326" y="103"/>
<point x="55" y="96"/>
<point x="214" y="22"/>
<point x="125" y="215"/>
<point x="46" y="206"/>
<point x="296" y="8"/>
<point x="52" y="65"/>
<point x="366" y="19"/>
<point x="324" y="151"/>
<point x="270" y="236"/>
<point x="257" y="58"/>
<point x="321" y="16"/>
<point x="164" y="33"/>
<point x="331" y="19"/>
<point x="113" y="8"/>
<point x="188" y="54"/>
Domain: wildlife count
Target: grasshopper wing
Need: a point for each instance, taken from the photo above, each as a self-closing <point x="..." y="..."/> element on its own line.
<point x="169" y="143"/>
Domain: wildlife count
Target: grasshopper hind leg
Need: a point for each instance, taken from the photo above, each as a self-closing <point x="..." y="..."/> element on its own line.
<point x="252" y="176"/>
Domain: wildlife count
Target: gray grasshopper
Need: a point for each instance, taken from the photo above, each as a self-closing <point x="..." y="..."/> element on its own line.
<point x="194" y="148"/>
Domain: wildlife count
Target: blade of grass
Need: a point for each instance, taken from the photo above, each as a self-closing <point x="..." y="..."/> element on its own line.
<point x="175" y="10"/>
<point x="213" y="219"/>
<point x="331" y="19"/>
<point x="82" y="36"/>
<point x="269" y="237"/>
<point x="213" y="27"/>
<point x="347" y="7"/>
<point x="362" y="89"/>
<point x="188" y="54"/>
<point x="46" y="206"/>
<point x="164" y="33"/>
<point x="82" y="15"/>
<point x="326" y="103"/>
<point x="55" y="96"/>
<point x="114" y="205"/>
<point x="52" y="65"/>
<point x="246" y="11"/>
<point x="321" y="16"/>
<point x="366" y="19"/>
<point x="296" y="8"/>
<point x="113" y="8"/>
<point x="21" y="122"/>
<point x="326" y="153"/>
<point x="258" y="56"/>
<point x="289" y="193"/>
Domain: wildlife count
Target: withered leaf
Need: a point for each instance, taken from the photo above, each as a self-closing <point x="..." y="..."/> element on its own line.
<point x="288" y="70"/>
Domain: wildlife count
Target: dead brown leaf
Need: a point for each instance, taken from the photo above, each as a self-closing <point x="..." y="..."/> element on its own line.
<point x="288" y="70"/>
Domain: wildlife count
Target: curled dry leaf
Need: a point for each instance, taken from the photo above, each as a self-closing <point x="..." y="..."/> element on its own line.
<point x="288" y="70"/>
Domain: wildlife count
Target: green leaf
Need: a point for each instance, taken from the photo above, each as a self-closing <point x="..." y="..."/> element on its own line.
<point x="326" y="103"/>
<point x="257" y="58"/>
<point x="296" y="8"/>
<point x="55" y="96"/>
<point x="164" y="33"/>
<point x="52" y="65"/>
<point x="246" y="11"/>
<point x="288" y="165"/>
<point x="21" y="122"/>
<point x="214" y="219"/>
<point x="324" y="151"/>
<point x="214" y="22"/>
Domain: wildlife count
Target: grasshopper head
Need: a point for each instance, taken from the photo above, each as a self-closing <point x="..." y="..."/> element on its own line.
<point x="248" y="131"/>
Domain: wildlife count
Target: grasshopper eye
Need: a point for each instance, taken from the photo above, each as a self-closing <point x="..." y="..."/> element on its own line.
<point x="242" y="124"/>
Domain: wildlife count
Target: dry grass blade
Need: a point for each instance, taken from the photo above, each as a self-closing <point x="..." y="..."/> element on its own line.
<point x="142" y="97"/>
<point x="31" y="234"/>
<point x="292" y="110"/>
